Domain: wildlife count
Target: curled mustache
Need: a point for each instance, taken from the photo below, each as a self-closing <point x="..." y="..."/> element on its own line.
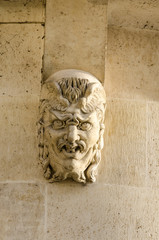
<point x="79" y="145"/>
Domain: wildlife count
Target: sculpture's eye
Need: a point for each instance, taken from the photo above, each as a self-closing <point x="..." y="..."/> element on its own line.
<point x="58" y="124"/>
<point x="85" y="126"/>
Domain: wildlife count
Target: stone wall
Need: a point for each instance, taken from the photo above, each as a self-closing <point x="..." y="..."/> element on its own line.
<point x="117" y="41"/>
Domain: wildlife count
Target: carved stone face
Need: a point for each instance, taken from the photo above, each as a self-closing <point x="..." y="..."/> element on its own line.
<point x="72" y="134"/>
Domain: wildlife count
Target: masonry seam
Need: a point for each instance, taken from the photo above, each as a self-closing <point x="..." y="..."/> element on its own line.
<point x="147" y="128"/>
<point x="106" y="47"/>
<point x="45" y="214"/>
<point x="22" y="22"/>
<point x="133" y="28"/>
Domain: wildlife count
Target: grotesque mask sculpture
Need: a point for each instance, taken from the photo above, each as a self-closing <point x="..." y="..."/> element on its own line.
<point x="71" y="126"/>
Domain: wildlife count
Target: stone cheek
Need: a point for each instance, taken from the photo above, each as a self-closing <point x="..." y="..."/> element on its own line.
<point x="70" y="139"/>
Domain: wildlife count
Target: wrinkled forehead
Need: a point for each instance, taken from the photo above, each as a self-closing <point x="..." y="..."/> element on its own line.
<point x="69" y="114"/>
<point x="73" y="114"/>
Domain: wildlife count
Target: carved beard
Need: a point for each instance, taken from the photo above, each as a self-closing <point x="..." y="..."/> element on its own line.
<point x="74" y="168"/>
<point x="56" y="172"/>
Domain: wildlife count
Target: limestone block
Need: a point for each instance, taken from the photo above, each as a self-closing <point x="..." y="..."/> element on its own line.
<point x="21" y="53"/>
<point x="137" y="13"/>
<point x="132" y="64"/>
<point x="75" y="36"/>
<point x="102" y="212"/>
<point x="82" y="212"/>
<point x="153" y="144"/>
<point x="19" y="142"/>
<point x="124" y="154"/>
<point x="22" y="211"/>
<point x="137" y="213"/>
<point x="22" y="11"/>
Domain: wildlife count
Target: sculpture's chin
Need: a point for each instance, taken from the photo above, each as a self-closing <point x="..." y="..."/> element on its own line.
<point x="71" y="165"/>
<point x="67" y="161"/>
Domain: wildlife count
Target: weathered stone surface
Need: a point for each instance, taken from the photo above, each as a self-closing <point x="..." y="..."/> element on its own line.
<point x="82" y="212"/>
<point x="75" y="36"/>
<point x="102" y="212"/>
<point x="132" y="64"/>
<point x="19" y="141"/>
<point x="134" y="13"/>
<point x="22" y="211"/>
<point x="76" y="39"/>
<point x="21" y="53"/>
<point x="138" y="213"/>
<point x="22" y="11"/>
<point x="124" y="154"/>
<point x="153" y="144"/>
<point x="71" y="126"/>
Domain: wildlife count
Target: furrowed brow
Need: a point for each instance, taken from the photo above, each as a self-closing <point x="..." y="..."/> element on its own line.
<point x="83" y="118"/>
<point x="61" y="116"/>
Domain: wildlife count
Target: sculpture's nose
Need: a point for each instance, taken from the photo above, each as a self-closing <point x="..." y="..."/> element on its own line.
<point x="72" y="134"/>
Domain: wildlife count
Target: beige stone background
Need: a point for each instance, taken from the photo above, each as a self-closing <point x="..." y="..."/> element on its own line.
<point x="117" y="41"/>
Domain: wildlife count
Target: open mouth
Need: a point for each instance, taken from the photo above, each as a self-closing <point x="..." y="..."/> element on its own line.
<point x="69" y="149"/>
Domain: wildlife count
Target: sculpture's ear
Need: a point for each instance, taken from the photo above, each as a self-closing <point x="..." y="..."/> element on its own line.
<point x="96" y="92"/>
<point x="95" y="88"/>
<point x="94" y="96"/>
<point x="50" y="89"/>
<point x="51" y="92"/>
<point x="90" y="89"/>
